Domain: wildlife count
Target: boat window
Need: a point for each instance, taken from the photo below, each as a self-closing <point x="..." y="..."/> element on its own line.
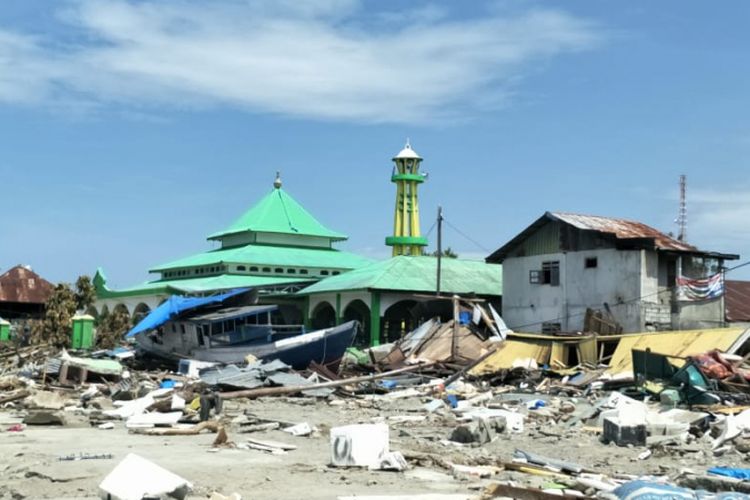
<point x="199" y="334"/>
<point x="253" y="269"/>
<point x="228" y="326"/>
<point x="324" y="273"/>
<point x="253" y="320"/>
<point x="303" y="271"/>
<point x="241" y="268"/>
<point x="266" y="269"/>
<point x="335" y="273"/>
<point x="182" y="327"/>
<point x="278" y="270"/>
<point x="291" y="271"/>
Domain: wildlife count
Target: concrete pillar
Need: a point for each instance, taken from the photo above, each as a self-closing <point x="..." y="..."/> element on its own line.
<point x="375" y="319"/>
<point x="339" y="312"/>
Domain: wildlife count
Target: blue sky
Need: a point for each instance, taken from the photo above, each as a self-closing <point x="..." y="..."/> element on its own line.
<point x="133" y="129"/>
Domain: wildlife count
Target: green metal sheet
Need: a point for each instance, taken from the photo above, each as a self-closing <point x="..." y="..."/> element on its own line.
<point x="278" y="212"/>
<point x="261" y="255"/>
<point x="417" y="274"/>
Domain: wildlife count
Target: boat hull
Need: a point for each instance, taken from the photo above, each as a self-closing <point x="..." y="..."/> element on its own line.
<point x="322" y="346"/>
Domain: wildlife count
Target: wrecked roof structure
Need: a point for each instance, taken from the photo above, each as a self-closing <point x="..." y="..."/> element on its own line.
<point x="625" y="234"/>
<point x="737" y="301"/>
<point x="23" y="292"/>
<point x="630" y="276"/>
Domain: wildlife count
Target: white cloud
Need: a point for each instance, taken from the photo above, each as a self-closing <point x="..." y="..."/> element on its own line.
<point x="326" y="60"/>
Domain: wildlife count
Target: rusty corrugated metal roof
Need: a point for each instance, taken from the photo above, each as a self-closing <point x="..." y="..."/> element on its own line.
<point x="623" y="229"/>
<point x="737" y="300"/>
<point x="22" y="285"/>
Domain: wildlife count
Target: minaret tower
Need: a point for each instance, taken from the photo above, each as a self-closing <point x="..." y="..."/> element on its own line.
<point x="406" y="239"/>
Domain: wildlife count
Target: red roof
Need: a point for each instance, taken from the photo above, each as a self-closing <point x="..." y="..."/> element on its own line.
<point x="22" y="285"/>
<point x="737" y="300"/>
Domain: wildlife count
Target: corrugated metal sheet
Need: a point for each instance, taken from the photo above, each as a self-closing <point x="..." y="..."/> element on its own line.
<point x="623" y="229"/>
<point x="22" y="285"/>
<point x="737" y="300"/>
<point x="510" y="351"/>
<point x="681" y="343"/>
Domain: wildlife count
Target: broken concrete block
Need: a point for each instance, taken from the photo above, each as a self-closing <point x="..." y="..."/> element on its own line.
<point x="303" y="429"/>
<point x="478" y="431"/>
<point x="45" y="400"/>
<point x="135" y="478"/>
<point x="623" y="433"/>
<point x="43" y="417"/>
<point x="393" y="460"/>
<point x="359" y="445"/>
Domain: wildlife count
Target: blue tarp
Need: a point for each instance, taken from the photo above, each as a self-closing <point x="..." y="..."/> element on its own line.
<point x="174" y="306"/>
<point x="743" y="474"/>
<point x="647" y="490"/>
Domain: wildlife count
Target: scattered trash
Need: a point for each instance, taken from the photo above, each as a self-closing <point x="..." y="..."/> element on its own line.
<point x="135" y="478"/>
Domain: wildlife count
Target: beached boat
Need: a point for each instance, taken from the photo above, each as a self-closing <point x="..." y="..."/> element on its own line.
<point x="230" y="334"/>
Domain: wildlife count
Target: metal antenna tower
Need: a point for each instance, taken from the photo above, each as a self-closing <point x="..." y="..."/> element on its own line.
<point x="682" y="215"/>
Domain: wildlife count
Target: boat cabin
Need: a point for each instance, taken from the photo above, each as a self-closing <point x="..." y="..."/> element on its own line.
<point x="223" y="327"/>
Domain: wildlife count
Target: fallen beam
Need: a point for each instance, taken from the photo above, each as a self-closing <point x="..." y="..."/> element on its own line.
<point x="275" y="391"/>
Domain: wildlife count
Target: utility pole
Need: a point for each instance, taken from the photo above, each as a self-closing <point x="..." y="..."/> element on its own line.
<point x="439" y="246"/>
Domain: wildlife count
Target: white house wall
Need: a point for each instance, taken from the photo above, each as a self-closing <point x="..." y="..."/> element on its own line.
<point x="616" y="280"/>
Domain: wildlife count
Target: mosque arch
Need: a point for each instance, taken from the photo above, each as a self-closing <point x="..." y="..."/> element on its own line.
<point x="359" y="311"/>
<point x="323" y="316"/>
<point x="399" y="319"/>
<point x="140" y="312"/>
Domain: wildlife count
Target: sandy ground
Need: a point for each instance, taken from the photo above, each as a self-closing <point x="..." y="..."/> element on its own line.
<point x="30" y="467"/>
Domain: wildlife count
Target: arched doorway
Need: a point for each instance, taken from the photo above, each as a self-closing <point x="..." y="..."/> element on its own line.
<point x="323" y="316"/>
<point x="399" y="320"/>
<point x="358" y="310"/>
<point x="140" y="312"/>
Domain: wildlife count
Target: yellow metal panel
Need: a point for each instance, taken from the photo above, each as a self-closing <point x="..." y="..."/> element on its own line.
<point x="557" y="358"/>
<point x="511" y="350"/>
<point x="587" y="351"/>
<point x="681" y="343"/>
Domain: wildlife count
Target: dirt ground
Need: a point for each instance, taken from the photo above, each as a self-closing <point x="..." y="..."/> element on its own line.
<point x="30" y="465"/>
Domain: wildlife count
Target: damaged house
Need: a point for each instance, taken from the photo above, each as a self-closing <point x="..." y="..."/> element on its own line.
<point x="23" y="293"/>
<point x="566" y="268"/>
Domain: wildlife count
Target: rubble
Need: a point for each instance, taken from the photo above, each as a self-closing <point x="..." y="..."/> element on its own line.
<point x="439" y="404"/>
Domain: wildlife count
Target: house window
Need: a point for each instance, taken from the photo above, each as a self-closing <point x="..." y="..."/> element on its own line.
<point x="241" y="268"/>
<point x="551" y="273"/>
<point x="548" y="327"/>
<point x="590" y="263"/>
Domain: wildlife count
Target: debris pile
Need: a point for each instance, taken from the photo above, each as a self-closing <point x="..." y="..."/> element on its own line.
<point x="491" y="411"/>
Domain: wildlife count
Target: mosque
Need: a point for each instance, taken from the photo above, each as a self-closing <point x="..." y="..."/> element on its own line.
<point x="287" y="257"/>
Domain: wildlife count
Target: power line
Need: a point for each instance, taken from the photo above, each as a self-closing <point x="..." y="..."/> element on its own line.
<point x="469" y="238"/>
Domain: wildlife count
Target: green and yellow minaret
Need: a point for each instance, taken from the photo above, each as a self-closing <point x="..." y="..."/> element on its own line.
<point x="406" y="239"/>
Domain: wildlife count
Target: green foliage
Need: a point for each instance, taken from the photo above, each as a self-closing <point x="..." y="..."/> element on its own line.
<point x="111" y="327"/>
<point x="85" y="293"/>
<point x="55" y="327"/>
<point x="447" y="253"/>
